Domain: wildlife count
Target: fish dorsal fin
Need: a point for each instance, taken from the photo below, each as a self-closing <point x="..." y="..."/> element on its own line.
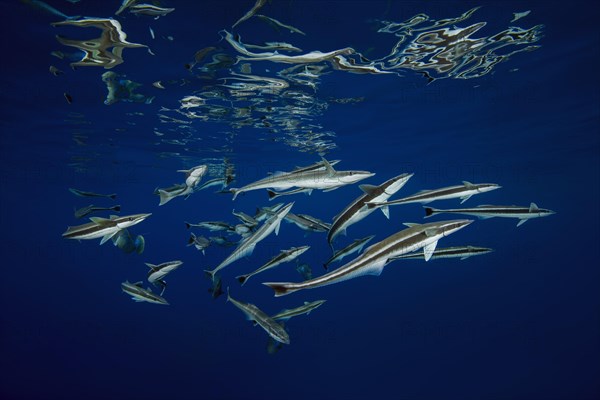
<point x="533" y="208"/>
<point x="468" y="185"/>
<point x="410" y="224"/>
<point x="429" y="249"/>
<point x="386" y="211"/>
<point x="328" y="167"/>
<point x="99" y="220"/>
<point x="431" y="232"/>
<point x="152" y="266"/>
<point x="367" y="188"/>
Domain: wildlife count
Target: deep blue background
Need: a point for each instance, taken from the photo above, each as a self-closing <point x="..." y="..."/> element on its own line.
<point x="522" y="322"/>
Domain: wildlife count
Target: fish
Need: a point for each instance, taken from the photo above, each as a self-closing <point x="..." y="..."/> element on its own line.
<point x="273" y="194"/>
<point x="216" y="289"/>
<point x="246" y="247"/>
<point x="83" y="211"/>
<point x="102" y="227"/>
<point x="245" y="218"/>
<point x="462" y="252"/>
<point x="519" y="15"/>
<point x="222" y="241"/>
<point x="306" y="308"/>
<point x="274" y="22"/>
<point x="199" y="242"/>
<point x="125" y="5"/>
<point x="158" y="272"/>
<point x="283" y="257"/>
<point x="354" y="247"/>
<point x="81" y="193"/>
<point x="358" y="210"/>
<point x="150" y="10"/>
<point x="124" y="241"/>
<point x="326" y="179"/>
<point x="253" y="313"/>
<point x="464" y="192"/>
<point x="264" y="212"/>
<point x="275" y="46"/>
<point x="194" y="175"/>
<point x="489" y="211"/>
<point x="139" y="294"/>
<point x="213" y="226"/>
<point x="373" y="260"/>
<point x="213" y="182"/>
<point x="250" y="13"/>
<point x="307" y="223"/>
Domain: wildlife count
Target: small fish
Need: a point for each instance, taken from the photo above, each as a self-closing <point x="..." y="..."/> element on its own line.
<point x="486" y="211"/>
<point x="102" y="227"/>
<point x="519" y="15"/>
<point x="194" y="175"/>
<point x="306" y="308"/>
<point x="354" y="247"/>
<point x="55" y="71"/>
<point x="158" y="272"/>
<point x="199" y="242"/>
<point x="249" y="14"/>
<point x="82" y="193"/>
<point x="82" y="212"/>
<point x="307" y="224"/>
<point x="283" y="257"/>
<point x="139" y="294"/>
<point x="213" y="226"/>
<point x="253" y="313"/>
<point x="216" y="290"/>
<point x="245" y="218"/>
<point x="273" y="194"/>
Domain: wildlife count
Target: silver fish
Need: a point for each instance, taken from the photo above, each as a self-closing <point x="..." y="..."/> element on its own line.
<point x="158" y="272"/>
<point x="82" y="193"/>
<point x="283" y="257"/>
<point x="139" y="294"/>
<point x="354" y="247"/>
<point x="306" y="308"/>
<point x="487" y="211"/>
<point x="375" y="258"/>
<point x="102" y="227"/>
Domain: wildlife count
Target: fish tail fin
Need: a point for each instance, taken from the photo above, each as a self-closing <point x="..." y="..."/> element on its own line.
<point x="191" y="240"/>
<point x="116" y="208"/>
<point x="272" y="194"/>
<point x="242" y="279"/>
<point x="371" y="205"/>
<point x="187" y="225"/>
<point x="281" y="288"/>
<point x="164" y="197"/>
<point x="429" y="211"/>
<point x="113" y="196"/>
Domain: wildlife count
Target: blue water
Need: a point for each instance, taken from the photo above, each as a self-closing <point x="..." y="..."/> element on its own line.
<point x="522" y="322"/>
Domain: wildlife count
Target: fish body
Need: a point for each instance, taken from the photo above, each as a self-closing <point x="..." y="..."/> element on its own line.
<point x="273" y="194"/>
<point x="213" y="226"/>
<point x="82" y="212"/>
<point x="199" y="242"/>
<point x="373" y="260"/>
<point x="464" y="192"/>
<point x="102" y="227"/>
<point x="283" y="257"/>
<point x="354" y="247"/>
<point x="139" y="294"/>
<point x="246" y="247"/>
<point x="270" y="326"/>
<point x="306" y="308"/>
<point x="82" y="193"/>
<point x="462" y="252"/>
<point x="327" y="179"/>
<point x="158" y="272"/>
<point x="307" y="223"/>
<point x="216" y="289"/>
<point x="358" y="210"/>
<point x="150" y="10"/>
<point x="488" y="211"/>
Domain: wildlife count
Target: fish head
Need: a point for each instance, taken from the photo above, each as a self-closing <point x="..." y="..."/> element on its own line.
<point x="350" y="177"/>
<point x="486" y="187"/>
<point x="448" y="227"/>
<point x="130" y="220"/>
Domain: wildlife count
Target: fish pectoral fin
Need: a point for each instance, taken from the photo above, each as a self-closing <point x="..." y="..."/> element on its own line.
<point x="330" y="189"/>
<point x="465" y="198"/>
<point x="522" y="221"/>
<point x="106" y="238"/>
<point x="277" y="228"/>
<point x="386" y="211"/>
<point x="429" y="249"/>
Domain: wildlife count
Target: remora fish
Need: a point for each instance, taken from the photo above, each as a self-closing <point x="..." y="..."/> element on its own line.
<point x="83" y="211"/>
<point x="253" y="313"/>
<point x="158" y="272"/>
<point x="81" y="193"/>
<point x="487" y="211"/>
<point x="170" y="193"/>
<point x="246" y="247"/>
<point x="310" y="224"/>
<point x="306" y="308"/>
<point x="357" y="210"/>
<point x="194" y="175"/>
<point x="374" y="259"/>
<point x="199" y="242"/>
<point x="464" y="192"/>
<point x="327" y="179"/>
<point x="462" y="252"/>
<point x="212" y="226"/>
<point x="264" y="212"/>
<point x="354" y="247"/>
<point x="138" y="293"/>
<point x="102" y="227"/>
<point x="283" y="257"/>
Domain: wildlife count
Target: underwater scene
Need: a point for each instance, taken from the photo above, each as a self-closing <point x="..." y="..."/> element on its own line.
<point x="309" y="199"/>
